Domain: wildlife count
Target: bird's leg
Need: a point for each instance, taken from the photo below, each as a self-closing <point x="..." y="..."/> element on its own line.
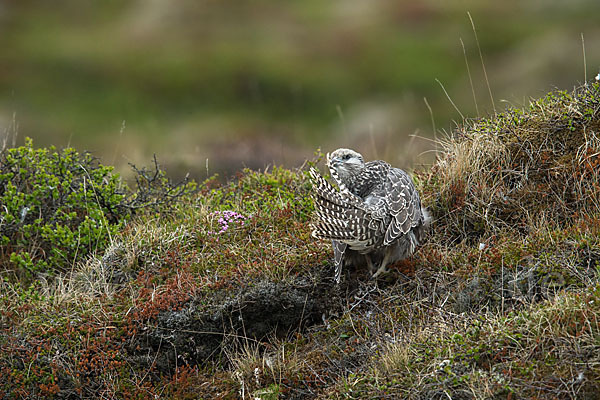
<point x="383" y="267"/>
<point x="370" y="264"/>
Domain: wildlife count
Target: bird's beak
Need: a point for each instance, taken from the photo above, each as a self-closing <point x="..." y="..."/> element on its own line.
<point x="332" y="162"/>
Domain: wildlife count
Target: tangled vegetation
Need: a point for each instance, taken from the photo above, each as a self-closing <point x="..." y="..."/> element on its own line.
<point x="224" y="294"/>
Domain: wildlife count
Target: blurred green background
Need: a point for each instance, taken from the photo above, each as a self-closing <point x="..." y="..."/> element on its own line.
<point x="252" y="83"/>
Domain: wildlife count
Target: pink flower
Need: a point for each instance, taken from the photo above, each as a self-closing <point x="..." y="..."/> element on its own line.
<point x="226" y="218"/>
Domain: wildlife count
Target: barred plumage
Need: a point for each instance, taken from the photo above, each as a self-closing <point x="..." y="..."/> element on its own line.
<point x="375" y="216"/>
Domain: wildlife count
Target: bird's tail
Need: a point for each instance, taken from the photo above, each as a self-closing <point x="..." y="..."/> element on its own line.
<point x="426" y="216"/>
<point x="422" y="229"/>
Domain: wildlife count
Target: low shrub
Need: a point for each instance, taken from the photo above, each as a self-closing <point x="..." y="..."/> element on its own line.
<point x="57" y="206"/>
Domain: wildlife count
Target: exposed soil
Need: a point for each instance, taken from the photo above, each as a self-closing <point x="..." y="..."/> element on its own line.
<point x="199" y="331"/>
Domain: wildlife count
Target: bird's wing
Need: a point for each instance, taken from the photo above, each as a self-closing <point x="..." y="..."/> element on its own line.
<point x="342" y="216"/>
<point x="388" y="212"/>
<point x="402" y="204"/>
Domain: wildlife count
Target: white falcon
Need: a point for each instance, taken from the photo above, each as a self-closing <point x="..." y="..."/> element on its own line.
<point x="375" y="217"/>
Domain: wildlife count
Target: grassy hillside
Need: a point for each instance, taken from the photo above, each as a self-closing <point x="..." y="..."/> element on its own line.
<point x="222" y="292"/>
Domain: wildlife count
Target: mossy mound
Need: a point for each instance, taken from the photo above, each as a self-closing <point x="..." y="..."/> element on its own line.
<point x="521" y="169"/>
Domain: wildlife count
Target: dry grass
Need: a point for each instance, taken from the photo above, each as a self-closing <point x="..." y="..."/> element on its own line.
<point x="520" y="169"/>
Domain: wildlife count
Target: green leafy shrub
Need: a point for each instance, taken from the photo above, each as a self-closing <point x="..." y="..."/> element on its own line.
<point x="55" y="206"/>
<point x="59" y="206"/>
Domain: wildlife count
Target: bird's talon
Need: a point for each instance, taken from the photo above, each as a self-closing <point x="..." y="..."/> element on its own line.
<point x="380" y="271"/>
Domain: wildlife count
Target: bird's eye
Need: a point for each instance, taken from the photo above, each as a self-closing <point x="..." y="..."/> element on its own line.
<point x="346" y="157"/>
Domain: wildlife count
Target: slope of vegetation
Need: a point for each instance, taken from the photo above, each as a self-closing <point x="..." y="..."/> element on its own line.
<point x="224" y="294"/>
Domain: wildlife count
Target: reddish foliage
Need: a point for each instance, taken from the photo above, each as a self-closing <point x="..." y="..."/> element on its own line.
<point x="172" y="295"/>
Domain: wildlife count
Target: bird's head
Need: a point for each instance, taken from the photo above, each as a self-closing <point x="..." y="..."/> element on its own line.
<point x="345" y="163"/>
